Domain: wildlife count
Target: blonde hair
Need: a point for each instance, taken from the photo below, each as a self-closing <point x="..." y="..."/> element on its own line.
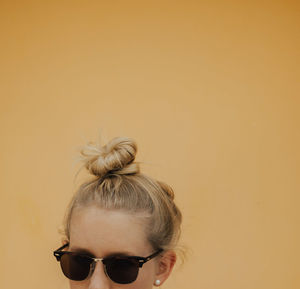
<point x="118" y="184"/>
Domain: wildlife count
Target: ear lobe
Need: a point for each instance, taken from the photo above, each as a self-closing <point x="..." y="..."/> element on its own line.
<point x="165" y="266"/>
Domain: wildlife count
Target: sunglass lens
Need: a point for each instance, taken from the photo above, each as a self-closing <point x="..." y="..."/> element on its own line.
<point x="75" y="267"/>
<point x="122" y="270"/>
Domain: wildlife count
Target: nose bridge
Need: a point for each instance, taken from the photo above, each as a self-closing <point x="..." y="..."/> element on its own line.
<point x="98" y="279"/>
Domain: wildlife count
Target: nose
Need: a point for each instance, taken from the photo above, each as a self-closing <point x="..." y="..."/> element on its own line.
<point x="99" y="280"/>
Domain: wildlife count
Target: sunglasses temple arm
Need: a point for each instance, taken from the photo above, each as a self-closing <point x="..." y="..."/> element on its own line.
<point x="57" y="254"/>
<point x="144" y="260"/>
<point x="154" y="254"/>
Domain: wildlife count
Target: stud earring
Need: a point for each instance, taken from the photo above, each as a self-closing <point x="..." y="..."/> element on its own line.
<point x="157" y="282"/>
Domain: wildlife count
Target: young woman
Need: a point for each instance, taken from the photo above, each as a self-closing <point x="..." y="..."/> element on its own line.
<point x="121" y="226"/>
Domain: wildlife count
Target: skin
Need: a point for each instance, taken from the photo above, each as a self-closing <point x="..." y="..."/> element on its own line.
<point x="105" y="232"/>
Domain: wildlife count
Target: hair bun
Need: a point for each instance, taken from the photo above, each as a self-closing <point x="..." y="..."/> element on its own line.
<point x="116" y="157"/>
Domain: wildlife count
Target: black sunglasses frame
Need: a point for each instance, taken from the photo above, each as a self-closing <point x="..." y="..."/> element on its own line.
<point x="141" y="260"/>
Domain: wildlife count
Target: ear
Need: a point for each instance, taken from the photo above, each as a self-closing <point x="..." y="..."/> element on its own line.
<point x="165" y="266"/>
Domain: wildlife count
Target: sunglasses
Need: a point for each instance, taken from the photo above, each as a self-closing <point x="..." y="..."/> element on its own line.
<point x="119" y="269"/>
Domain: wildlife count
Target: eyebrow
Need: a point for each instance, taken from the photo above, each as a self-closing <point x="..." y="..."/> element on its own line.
<point x="88" y="252"/>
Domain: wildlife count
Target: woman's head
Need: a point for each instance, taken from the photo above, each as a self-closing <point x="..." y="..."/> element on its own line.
<point x="122" y="209"/>
<point x="119" y="185"/>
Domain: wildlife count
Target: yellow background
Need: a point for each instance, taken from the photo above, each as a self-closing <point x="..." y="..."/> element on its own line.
<point x="207" y="88"/>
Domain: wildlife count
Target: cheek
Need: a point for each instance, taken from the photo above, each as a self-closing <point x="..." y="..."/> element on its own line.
<point x="78" y="285"/>
<point x="140" y="283"/>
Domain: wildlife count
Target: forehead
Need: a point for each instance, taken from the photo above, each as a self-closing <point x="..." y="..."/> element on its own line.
<point x="103" y="232"/>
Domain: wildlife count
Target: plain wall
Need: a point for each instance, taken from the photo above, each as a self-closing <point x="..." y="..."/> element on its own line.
<point x="209" y="91"/>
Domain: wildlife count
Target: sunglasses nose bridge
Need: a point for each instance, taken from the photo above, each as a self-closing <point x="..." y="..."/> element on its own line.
<point x="96" y="276"/>
<point x="93" y="265"/>
<point x="104" y="266"/>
